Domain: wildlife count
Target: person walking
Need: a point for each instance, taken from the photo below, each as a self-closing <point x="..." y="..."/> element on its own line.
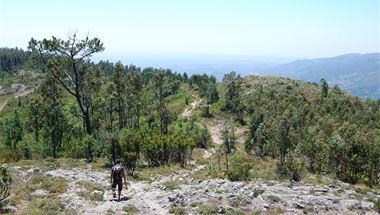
<point x="117" y="176"/>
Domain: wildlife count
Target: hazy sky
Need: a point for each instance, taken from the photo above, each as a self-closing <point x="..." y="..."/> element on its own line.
<point x="297" y="28"/>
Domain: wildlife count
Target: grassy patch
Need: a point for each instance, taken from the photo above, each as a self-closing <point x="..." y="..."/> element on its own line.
<point x="91" y="186"/>
<point x="109" y="212"/>
<point x="54" y="185"/>
<point x="238" y="201"/>
<point x="177" y="211"/>
<point x="234" y="211"/>
<point x="44" y="206"/>
<point x="43" y="164"/>
<point x="197" y="156"/>
<point x="276" y="210"/>
<point x="209" y="172"/>
<point x="147" y="173"/>
<point x="362" y="189"/>
<point x="317" y="179"/>
<point x="265" y="169"/>
<point x="69" y="163"/>
<point x="257" y="192"/>
<point x="173" y="184"/>
<point x="274" y="199"/>
<point x="207" y="209"/>
<point x="22" y="191"/>
<point x="94" y="191"/>
<point x="130" y="209"/>
<point x="176" y="103"/>
<point x="376" y="204"/>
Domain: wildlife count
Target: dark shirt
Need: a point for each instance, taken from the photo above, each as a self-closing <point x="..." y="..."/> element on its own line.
<point x="117" y="171"/>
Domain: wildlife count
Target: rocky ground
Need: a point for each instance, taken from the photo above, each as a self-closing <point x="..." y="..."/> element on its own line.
<point x="180" y="193"/>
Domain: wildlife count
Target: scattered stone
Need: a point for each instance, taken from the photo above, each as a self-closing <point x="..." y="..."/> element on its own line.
<point x="321" y="190"/>
<point x="221" y="210"/>
<point x="33" y="170"/>
<point x="172" y="199"/>
<point x="299" y="205"/>
<point x="231" y="195"/>
<point x="39" y="193"/>
<point x="266" y="206"/>
<point x="9" y="209"/>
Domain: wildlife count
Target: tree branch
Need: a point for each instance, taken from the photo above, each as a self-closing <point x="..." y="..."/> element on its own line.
<point x="52" y="71"/>
<point x="74" y="113"/>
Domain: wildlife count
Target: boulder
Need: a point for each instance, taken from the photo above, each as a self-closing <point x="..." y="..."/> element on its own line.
<point x="9" y="209"/>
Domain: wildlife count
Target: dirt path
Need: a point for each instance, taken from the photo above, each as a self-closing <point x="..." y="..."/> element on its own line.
<point x="21" y="91"/>
<point x="24" y="93"/>
<point x="188" y="110"/>
<point x="215" y="127"/>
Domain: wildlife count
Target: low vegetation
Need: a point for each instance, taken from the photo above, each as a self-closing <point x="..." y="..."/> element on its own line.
<point x="83" y="112"/>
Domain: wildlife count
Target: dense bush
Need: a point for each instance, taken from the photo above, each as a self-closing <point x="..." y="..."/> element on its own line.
<point x="327" y="131"/>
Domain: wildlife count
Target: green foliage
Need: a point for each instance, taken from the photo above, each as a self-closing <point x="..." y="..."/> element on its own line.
<point x="177" y="211"/>
<point x="233" y="95"/>
<point x="83" y="109"/>
<point x="240" y="168"/>
<point x="207" y="209"/>
<point x="13" y="131"/>
<point x="45" y="206"/>
<point x="130" y="209"/>
<point x="377" y="205"/>
<point x="66" y="62"/>
<point x="288" y="122"/>
<point x="257" y="139"/>
<point x="229" y="140"/>
<point x="12" y="59"/>
<point x="324" y="88"/>
<point x="5" y="183"/>
<point x="130" y="146"/>
<point x="161" y="149"/>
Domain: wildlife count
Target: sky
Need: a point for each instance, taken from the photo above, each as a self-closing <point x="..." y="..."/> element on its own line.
<point x="292" y="28"/>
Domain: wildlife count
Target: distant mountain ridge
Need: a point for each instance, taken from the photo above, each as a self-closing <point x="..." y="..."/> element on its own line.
<point x="358" y="74"/>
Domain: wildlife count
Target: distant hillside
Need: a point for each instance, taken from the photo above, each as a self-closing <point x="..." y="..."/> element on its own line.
<point x="358" y="74"/>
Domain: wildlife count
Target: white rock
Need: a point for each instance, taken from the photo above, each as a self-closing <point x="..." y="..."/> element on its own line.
<point x="40" y="193"/>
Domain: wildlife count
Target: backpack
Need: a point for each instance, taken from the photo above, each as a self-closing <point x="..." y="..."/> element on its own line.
<point x="117" y="171"/>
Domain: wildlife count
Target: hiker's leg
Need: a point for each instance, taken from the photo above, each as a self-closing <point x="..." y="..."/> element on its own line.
<point x="120" y="186"/>
<point x="114" y="188"/>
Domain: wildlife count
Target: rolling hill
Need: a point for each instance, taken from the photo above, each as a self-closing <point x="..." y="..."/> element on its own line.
<point x="358" y="74"/>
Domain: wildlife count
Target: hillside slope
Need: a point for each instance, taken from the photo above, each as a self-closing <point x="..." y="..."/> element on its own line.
<point x="355" y="73"/>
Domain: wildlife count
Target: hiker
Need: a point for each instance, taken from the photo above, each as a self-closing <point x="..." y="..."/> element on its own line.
<point x="117" y="176"/>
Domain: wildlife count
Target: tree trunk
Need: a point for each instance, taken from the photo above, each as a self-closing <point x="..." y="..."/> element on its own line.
<point x="113" y="150"/>
<point x="227" y="161"/>
<point x="87" y="122"/>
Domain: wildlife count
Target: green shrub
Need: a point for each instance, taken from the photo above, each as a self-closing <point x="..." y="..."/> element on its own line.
<point x="130" y="209"/>
<point x="177" y="210"/>
<point x="240" y="168"/>
<point x="207" y="209"/>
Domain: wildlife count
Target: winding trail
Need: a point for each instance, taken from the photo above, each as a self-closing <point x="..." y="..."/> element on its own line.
<point x="188" y="110"/>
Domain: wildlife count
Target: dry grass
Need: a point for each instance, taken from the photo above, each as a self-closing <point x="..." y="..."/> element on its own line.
<point x="22" y="194"/>
<point x="92" y="191"/>
<point x="148" y="173"/>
